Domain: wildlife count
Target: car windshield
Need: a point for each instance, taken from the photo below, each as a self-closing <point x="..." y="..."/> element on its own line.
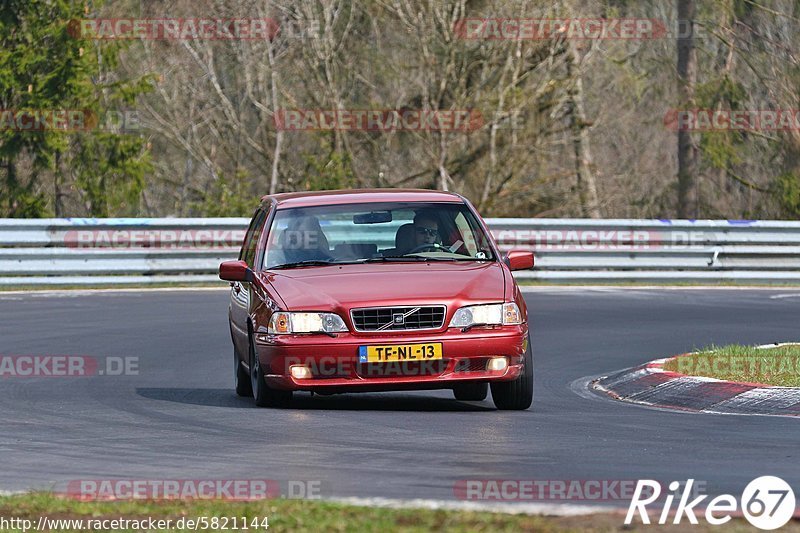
<point x="375" y="232"/>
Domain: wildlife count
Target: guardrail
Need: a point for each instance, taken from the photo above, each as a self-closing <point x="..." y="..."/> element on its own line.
<point x="141" y="251"/>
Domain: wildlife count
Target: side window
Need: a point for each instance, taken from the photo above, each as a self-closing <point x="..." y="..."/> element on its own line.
<point x="248" y="253"/>
<point x="249" y="235"/>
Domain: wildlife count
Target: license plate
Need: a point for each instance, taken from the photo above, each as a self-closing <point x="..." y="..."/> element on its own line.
<point x="400" y="352"/>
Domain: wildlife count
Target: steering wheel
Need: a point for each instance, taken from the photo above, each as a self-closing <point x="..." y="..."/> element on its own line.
<point x="430" y="247"/>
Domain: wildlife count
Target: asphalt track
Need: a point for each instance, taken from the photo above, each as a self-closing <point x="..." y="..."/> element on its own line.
<point x="179" y="418"/>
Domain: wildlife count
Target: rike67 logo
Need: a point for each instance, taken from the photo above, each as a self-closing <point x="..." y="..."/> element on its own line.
<point x="768" y="502"/>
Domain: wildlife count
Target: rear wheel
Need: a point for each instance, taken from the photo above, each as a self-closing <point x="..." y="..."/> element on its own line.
<point x="517" y="394"/>
<point x="263" y="395"/>
<point x="471" y="392"/>
<point x="240" y="377"/>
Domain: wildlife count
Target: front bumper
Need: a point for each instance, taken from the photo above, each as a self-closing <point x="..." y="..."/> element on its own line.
<point x="334" y="365"/>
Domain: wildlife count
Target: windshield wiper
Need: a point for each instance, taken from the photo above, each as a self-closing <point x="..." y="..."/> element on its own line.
<point x="469" y="259"/>
<point x="449" y="259"/>
<point x="312" y="262"/>
<point x="393" y="258"/>
<point x="382" y="259"/>
<point x="416" y="258"/>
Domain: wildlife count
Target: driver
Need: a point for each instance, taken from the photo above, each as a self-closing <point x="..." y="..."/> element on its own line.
<point x="426" y="229"/>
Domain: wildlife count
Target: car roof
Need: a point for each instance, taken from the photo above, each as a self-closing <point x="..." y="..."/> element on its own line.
<point x="355" y="196"/>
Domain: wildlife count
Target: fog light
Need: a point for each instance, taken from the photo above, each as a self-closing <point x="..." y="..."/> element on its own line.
<point x="301" y="372"/>
<point x="497" y="364"/>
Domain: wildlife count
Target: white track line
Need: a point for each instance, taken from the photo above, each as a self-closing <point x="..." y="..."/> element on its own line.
<point x="549" y="509"/>
<point x="614" y="288"/>
<point x="55" y="293"/>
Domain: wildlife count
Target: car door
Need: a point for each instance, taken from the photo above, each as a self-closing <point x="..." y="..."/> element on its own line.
<point x="241" y="292"/>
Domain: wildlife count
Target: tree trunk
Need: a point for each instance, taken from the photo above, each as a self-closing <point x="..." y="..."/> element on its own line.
<point x="58" y="203"/>
<point x="587" y="187"/>
<point x="11" y="186"/>
<point x="276" y="155"/>
<point x="444" y="176"/>
<point x="687" y="75"/>
<point x="188" y="174"/>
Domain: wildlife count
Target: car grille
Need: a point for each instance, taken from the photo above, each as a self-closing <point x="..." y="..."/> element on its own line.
<point x="473" y="364"/>
<point x="387" y="318"/>
<point x="402" y="369"/>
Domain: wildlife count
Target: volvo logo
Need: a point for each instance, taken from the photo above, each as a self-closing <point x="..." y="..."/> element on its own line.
<point x="398" y="319"/>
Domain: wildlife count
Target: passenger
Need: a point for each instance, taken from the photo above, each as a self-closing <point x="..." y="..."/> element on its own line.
<point x="304" y="240"/>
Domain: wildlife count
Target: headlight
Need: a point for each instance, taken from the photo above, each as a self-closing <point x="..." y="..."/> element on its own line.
<point x="283" y="322"/>
<point x="494" y="314"/>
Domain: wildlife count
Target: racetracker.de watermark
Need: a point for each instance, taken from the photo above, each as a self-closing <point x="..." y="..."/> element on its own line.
<point x="378" y="120"/>
<point x="602" y="239"/>
<point x="332" y="366"/>
<point x="154" y="238"/>
<point x="549" y="490"/>
<point x="66" y="366"/>
<point x="70" y="120"/>
<point x="732" y="120"/>
<point x="516" y="29"/>
<point x="769" y="365"/>
<point x="192" y="489"/>
<point x="174" y="29"/>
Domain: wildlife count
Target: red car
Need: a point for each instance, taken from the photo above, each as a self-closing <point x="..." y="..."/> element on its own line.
<point x="377" y="290"/>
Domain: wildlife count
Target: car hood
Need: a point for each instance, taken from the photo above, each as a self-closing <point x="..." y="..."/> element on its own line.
<point x="343" y="287"/>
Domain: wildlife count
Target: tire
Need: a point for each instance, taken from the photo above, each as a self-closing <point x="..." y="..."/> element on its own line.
<point x="241" y="378"/>
<point x="516" y="395"/>
<point x="263" y="395"/>
<point x="471" y="392"/>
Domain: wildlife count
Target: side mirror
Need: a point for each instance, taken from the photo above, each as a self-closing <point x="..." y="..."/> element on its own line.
<point x="519" y="260"/>
<point x="235" y="271"/>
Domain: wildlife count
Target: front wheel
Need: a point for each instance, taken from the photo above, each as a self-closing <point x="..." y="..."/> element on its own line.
<point x="263" y="395"/>
<point x="518" y="394"/>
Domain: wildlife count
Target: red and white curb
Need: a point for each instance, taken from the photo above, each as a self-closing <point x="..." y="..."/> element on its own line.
<point x="651" y="385"/>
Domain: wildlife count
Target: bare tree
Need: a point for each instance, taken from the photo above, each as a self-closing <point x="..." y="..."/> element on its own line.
<point x="687" y="76"/>
<point x="587" y="188"/>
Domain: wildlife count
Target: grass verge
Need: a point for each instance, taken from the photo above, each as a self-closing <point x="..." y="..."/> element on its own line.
<point x="778" y="365"/>
<point x="315" y="516"/>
